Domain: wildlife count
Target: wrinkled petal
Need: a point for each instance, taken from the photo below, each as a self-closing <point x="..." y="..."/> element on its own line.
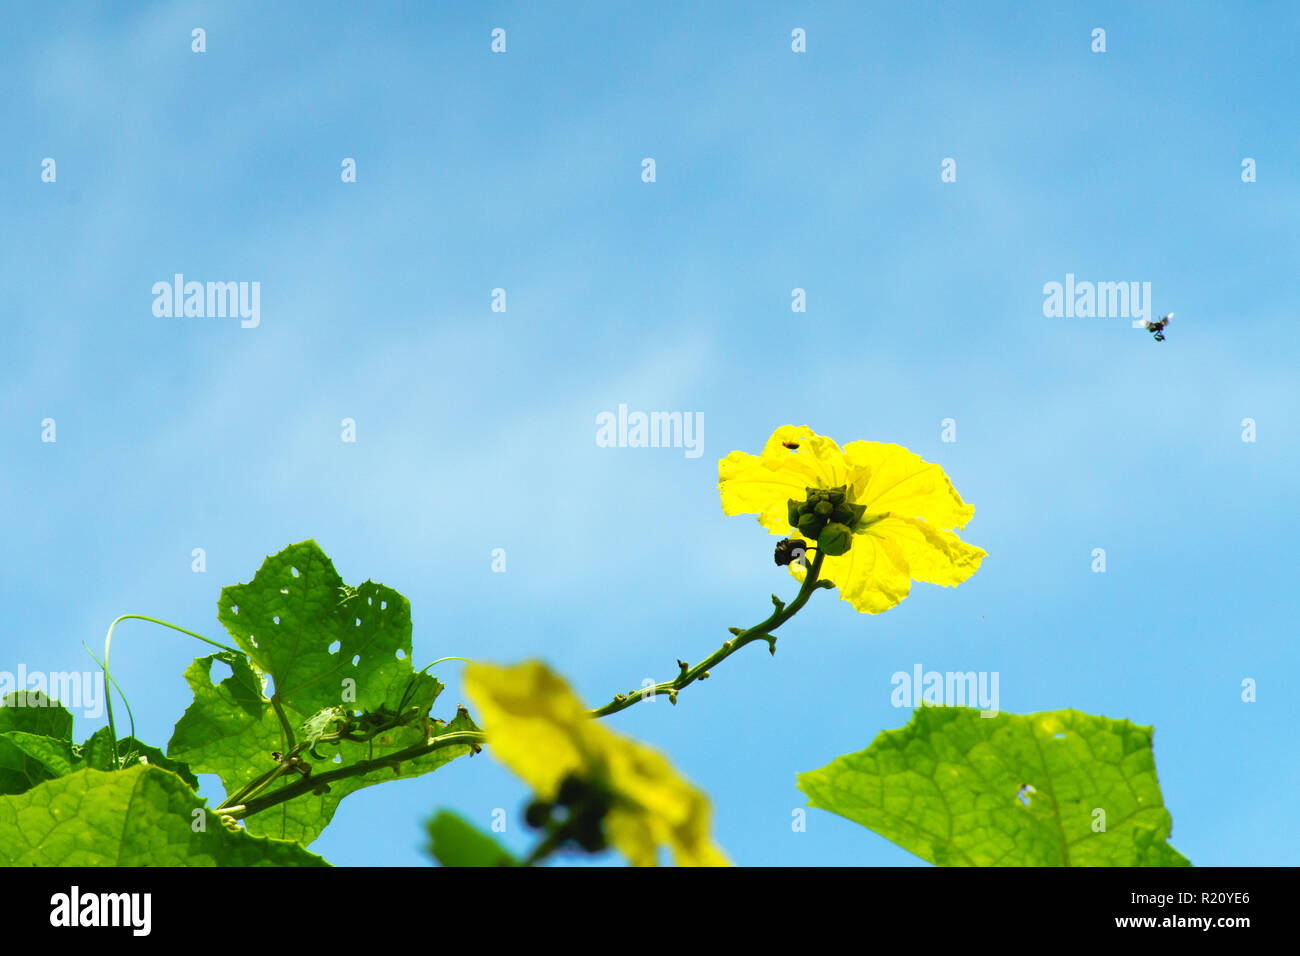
<point x="761" y="484"/>
<point x="534" y="720"/>
<point x="749" y="485"/>
<point x="890" y="478"/>
<point x="669" y="811"/>
<point x="872" y="577"/>
<point x="892" y="552"/>
<point x="539" y="728"/>
<point x="932" y="555"/>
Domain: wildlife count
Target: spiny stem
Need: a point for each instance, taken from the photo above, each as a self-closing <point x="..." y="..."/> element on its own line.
<point x="467" y="738"/>
<point x="759" y="632"/>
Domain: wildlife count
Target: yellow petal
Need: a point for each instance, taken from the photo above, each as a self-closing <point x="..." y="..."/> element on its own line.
<point x="891" y="478"/>
<point x="872" y="576"/>
<point x="762" y="484"/>
<point x="533" y="720"/>
<point x="877" y="571"/>
<point x="932" y="555"/>
<point x="539" y="728"/>
<point x="668" y="811"/>
<point x="749" y="485"/>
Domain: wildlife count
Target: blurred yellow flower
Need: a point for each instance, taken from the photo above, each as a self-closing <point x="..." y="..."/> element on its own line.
<point x="896" y="506"/>
<point x="538" y="727"/>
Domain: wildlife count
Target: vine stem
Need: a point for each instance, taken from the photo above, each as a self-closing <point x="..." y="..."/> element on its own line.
<point x="759" y="632"/>
<point x="108" y="640"/>
<point x="246" y="802"/>
<point x="468" y="738"/>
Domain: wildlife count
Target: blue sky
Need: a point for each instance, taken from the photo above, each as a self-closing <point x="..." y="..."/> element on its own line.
<point x="774" y="170"/>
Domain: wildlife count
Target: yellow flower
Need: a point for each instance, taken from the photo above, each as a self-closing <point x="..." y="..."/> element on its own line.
<point x="538" y="727"/>
<point x="906" y="507"/>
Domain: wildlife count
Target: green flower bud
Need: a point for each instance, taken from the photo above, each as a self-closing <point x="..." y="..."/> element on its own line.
<point x="835" y="496"/>
<point x="835" y="539"/>
<point x="792" y="511"/>
<point x="823" y="508"/>
<point x="810" y="525"/>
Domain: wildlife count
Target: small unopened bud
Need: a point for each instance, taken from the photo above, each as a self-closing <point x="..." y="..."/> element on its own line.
<point x="811" y="525"/>
<point x="835" y="540"/>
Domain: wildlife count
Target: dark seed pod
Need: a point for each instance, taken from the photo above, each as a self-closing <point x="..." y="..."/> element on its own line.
<point x="788" y="549"/>
<point x="589" y="836"/>
<point x="572" y="790"/>
<point x="538" y="814"/>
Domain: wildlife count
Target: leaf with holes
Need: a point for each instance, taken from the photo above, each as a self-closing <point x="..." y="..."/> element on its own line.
<point x="319" y="650"/>
<point x="230" y="729"/>
<point x="142" y="816"/>
<point x="327" y="658"/>
<point x="1061" y="788"/>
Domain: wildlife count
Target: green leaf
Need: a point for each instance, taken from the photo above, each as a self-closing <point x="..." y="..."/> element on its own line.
<point x="455" y="842"/>
<point x="35" y="740"/>
<point x="142" y="816"/>
<point x="138" y="751"/>
<point x="53" y="757"/>
<point x="97" y="751"/>
<point x="958" y="789"/>
<point x="286" y="624"/>
<point x="35" y="713"/>
<point x="291" y="614"/>
<point x="36" y="745"/>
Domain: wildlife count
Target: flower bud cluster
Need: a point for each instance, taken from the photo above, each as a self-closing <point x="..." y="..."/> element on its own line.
<point x="827" y="517"/>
